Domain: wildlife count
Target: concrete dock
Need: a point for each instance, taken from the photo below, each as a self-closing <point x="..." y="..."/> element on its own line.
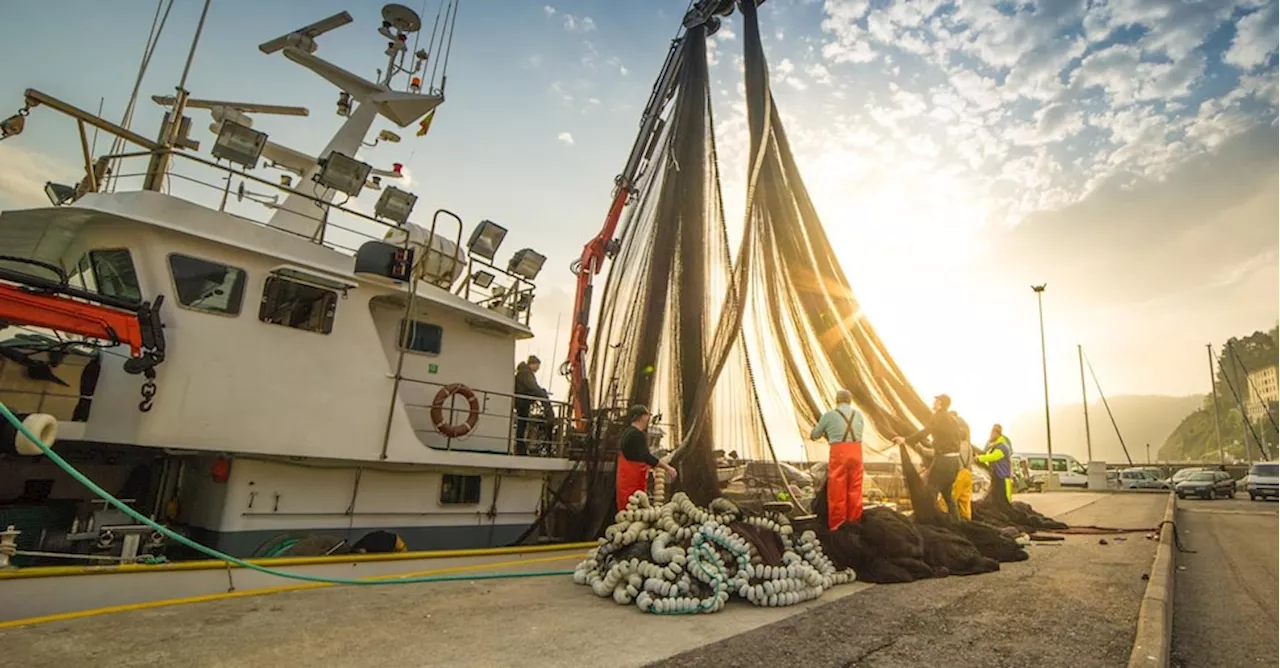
<point x="1076" y="595"/>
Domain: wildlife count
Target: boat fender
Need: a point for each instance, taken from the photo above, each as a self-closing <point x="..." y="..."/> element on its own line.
<point x="437" y="410"/>
<point x="43" y="425"/>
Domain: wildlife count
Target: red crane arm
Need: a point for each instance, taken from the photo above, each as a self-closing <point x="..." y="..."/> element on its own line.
<point x="590" y="264"/>
<point x="20" y="307"/>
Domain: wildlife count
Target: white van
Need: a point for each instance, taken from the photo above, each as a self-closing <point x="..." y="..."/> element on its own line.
<point x="1263" y="481"/>
<point x="1071" y="473"/>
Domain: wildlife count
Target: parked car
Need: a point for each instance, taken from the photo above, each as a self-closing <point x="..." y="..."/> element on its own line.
<point x="1182" y="474"/>
<point x="1263" y="481"/>
<point x="1141" y="478"/>
<point x="1207" y="485"/>
<point x="1071" y="473"/>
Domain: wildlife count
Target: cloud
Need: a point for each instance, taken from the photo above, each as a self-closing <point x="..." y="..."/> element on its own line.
<point x="1256" y="38"/>
<point x="23" y="174"/>
<point x="549" y="10"/>
<point x="565" y="137"/>
<point x="575" y="24"/>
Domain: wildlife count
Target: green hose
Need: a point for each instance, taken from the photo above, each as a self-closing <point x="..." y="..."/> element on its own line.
<point x="183" y="540"/>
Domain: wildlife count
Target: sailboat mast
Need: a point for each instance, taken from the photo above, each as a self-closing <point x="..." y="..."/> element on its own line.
<point x="1084" y="402"/>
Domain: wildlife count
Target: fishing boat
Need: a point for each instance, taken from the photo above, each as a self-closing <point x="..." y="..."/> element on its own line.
<point x="303" y="379"/>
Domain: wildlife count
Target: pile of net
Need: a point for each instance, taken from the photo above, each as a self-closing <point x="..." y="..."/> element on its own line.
<point x="679" y="558"/>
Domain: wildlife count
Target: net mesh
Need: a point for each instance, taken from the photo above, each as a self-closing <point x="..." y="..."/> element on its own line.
<point x="736" y="349"/>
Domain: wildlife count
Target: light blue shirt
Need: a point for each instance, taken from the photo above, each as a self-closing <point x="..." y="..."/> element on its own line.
<point x="833" y="426"/>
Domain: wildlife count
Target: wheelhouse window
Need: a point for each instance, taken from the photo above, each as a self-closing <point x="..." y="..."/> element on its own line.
<point x="207" y="286"/>
<point x="421" y="337"/>
<point x="298" y="305"/>
<point x="459" y="489"/>
<point x="108" y="272"/>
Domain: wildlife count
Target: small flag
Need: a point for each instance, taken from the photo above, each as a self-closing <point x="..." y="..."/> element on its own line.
<point x="426" y="123"/>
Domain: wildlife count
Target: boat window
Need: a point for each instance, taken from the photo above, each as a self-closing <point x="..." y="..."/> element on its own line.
<point x="108" y="272"/>
<point x="207" y="286"/>
<point x="422" y="337"/>
<point x="297" y="305"/>
<point x="459" y="489"/>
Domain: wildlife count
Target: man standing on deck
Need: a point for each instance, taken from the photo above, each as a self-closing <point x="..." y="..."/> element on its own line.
<point x="527" y="391"/>
<point x="945" y="432"/>
<point x="999" y="458"/>
<point x="634" y="458"/>
<point x="842" y="427"/>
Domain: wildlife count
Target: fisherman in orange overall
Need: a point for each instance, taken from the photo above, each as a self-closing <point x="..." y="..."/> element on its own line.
<point x="842" y="427"/>
<point x="634" y="458"/>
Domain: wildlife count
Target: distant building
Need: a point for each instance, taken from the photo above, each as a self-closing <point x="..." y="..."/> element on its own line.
<point x="1264" y="390"/>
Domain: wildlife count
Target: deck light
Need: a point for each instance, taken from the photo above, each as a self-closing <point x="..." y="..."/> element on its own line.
<point x="239" y="144"/>
<point x="486" y="239"/>
<point x="59" y="194"/>
<point x="482" y="279"/>
<point x="344" y="174"/>
<point x="526" y="263"/>
<point x="395" y="204"/>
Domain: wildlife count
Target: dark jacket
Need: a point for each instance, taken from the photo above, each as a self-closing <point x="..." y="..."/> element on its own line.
<point x="945" y="433"/>
<point x="527" y="383"/>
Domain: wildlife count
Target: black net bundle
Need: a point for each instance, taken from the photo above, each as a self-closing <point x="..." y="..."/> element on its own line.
<point x="716" y="341"/>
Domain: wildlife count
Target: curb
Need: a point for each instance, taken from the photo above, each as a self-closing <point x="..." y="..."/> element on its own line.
<point x="1153" y="641"/>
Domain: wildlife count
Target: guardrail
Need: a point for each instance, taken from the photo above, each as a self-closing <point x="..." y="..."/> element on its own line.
<point x="544" y="432"/>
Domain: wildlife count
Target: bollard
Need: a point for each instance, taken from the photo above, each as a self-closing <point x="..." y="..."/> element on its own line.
<point x="8" y="545"/>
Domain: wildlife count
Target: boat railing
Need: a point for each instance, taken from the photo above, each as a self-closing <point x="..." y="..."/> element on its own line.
<point x="498" y="423"/>
<point x="510" y="294"/>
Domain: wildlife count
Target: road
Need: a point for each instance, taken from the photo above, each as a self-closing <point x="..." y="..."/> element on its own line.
<point x="1225" y="594"/>
<point x="1074" y="604"/>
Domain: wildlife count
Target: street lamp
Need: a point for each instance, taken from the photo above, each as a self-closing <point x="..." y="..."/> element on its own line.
<point x="1050" y="482"/>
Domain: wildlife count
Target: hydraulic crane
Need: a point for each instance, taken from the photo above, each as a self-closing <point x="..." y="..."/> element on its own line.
<point x="34" y="301"/>
<point x="703" y="13"/>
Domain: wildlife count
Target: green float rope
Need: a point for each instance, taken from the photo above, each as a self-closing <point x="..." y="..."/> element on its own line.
<point x="208" y="551"/>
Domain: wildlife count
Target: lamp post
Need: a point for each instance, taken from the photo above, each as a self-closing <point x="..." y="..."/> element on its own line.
<point x="1044" y="366"/>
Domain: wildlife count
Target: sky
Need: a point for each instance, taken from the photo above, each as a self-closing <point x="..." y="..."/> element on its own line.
<point x="1123" y="152"/>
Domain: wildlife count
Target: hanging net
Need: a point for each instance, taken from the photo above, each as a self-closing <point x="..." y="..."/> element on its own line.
<point x="736" y="349"/>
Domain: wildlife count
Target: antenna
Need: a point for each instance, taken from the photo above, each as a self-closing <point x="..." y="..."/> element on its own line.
<point x="243" y="107"/>
<point x="305" y="38"/>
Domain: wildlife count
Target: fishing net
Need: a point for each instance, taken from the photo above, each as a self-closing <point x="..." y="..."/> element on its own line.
<point x="744" y="349"/>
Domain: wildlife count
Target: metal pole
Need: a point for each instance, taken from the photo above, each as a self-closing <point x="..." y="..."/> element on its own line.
<point x="160" y="162"/>
<point x="1044" y="365"/>
<point x="1084" y="401"/>
<point x="1213" y="390"/>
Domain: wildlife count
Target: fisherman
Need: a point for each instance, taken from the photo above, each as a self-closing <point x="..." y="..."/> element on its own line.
<point x="527" y="391"/>
<point x="634" y="458"/>
<point x="962" y="488"/>
<point x="999" y="458"/>
<point x="945" y="433"/>
<point x="842" y="427"/>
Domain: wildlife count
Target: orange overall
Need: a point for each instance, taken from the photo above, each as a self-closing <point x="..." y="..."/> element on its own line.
<point x="844" y="480"/>
<point x="632" y="477"/>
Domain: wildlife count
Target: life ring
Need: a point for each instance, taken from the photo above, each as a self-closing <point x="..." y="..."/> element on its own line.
<point x="437" y="410"/>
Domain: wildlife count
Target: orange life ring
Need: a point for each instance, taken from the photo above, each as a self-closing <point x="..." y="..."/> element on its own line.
<point x="437" y="410"/>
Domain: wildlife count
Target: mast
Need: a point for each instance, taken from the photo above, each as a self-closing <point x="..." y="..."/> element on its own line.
<point x="1084" y="402"/>
<point x="1213" y="393"/>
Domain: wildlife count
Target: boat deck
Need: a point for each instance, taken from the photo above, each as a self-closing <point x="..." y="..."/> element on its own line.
<point x="547" y="621"/>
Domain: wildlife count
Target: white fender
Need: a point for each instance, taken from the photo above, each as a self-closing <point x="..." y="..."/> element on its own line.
<point x="44" y="426"/>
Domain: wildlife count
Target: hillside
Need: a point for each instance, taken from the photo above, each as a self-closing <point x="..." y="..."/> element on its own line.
<point x="1142" y="420"/>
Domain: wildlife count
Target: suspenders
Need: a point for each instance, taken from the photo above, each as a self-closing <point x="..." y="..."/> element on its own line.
<point x="848" y="429"/>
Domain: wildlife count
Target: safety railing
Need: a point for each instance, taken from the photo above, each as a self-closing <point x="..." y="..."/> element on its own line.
<point x="512" y="296"/>
<point x="542" y="432"/>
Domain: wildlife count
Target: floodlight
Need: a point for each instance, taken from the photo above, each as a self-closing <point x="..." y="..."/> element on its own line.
<point x="343" y="174"/>
<point x="482" y="279"/>
<point x="395" y="204"/>
<point x="59" y="194"/>
<point x="486" y="239"/>
<point x="526" y="263"/>
<point x="239" y="144"/>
